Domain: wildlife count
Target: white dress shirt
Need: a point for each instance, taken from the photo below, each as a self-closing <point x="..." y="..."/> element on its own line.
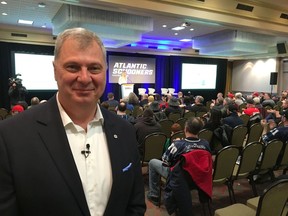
<point x="94" y="169"/>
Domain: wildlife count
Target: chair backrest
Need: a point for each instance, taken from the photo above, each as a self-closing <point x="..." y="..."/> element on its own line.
<point x="171" y="90"/>
<point x="153" y="146"/>
<point x="249" y="158"/>
<point x="274" y="199"/>
<point x="245" y="118"/>
<point x="270" y="155"/>
<point x="141" y="91"/>
<point x="174" y="116"/>
<point x="200" y="114"/>
<point x="238" y="135"/>
<point x="206" y="134"/>
<point x="182" y="121"/>
<point x="284" y="160"/>
<point x="254" y="133"/>
<point x="151" y="90"/>
<point x="189" y="114"/>
<point x="179" y="134"/>
<point x="224" y="164"/>
<point x="164" y="91"/>
<point x="3" y="112"/>
<point x="166" y="126"/>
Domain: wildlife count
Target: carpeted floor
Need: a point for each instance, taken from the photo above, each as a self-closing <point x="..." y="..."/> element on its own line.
<point x="220" y="199"/>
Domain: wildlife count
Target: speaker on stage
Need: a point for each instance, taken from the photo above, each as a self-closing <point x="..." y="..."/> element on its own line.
<point x="273" y="78"/>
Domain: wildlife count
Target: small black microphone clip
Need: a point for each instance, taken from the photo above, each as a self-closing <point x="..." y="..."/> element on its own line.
<point x="87" y="151"/>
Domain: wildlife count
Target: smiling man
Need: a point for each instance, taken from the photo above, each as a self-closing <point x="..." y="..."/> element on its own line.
<point x="68" y="156"/>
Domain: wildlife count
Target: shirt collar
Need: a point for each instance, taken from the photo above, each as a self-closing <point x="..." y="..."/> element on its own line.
<point x="67" y="120"/>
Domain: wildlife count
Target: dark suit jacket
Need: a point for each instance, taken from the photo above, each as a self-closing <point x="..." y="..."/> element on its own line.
<point x="38" y="175"/>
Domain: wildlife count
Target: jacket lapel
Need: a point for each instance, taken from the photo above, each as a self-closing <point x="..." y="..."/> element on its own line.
<point x="54" y="137"/>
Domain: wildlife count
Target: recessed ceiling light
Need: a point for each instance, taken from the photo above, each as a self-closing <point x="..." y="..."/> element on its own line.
<point x="176" y="33"/>
<point x="178" y="28"/>
<point x="3" y="2"/>
<point x="185" y="40"/>
<point x="4" y="14"/>
<point x="164" y="26"/>
<point x="41" y="5"/>
<point x="26" y="22"/>
<point x="43" y="26"/>
<point x="191" y="29"/>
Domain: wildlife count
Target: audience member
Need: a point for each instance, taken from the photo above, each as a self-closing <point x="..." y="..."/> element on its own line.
<point x="159" y="168"/>
<point x="199" y="106"/>
<point x="233" y="118"/>
<point x="158" y="114"/>
<point x="69" y="156"/>
<point x="250" y="108"/>
<point x="144" y="100"/>
<point x="174" y="129"/>
<point x="17" y="109"/>
<point x="111" y="100"/>
<point x="34" y="101"/>
<point x="121" y="112"/>
<point x="144" y="126"/>
<point x="173" y="107"/>
<point x="238" y="99"/>
<point x="268" y="101"/>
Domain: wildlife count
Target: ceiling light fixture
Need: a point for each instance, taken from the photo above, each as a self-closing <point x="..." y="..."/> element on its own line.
<point x="41" y="5"/>
<point x="164" y="26"/>
<point x="3" y="2"/>
<point x="4" y="14"/>
<point x="178" y="28"/>
<point x="26" y="22"/>
<point x="186" y="40"/>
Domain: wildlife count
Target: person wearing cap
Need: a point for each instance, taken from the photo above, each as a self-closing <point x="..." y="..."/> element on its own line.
<point x="275" y="132"/>
<point x="250" y="108"/>
<point x="17" y="109"/>
<point x="158" y="114"/>
<point x="173" y="106"/>
<point x="232" y="118"/>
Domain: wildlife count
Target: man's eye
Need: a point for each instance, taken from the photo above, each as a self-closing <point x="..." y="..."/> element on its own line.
<point x="95" y="69"/>
<point x="72" y="68"/>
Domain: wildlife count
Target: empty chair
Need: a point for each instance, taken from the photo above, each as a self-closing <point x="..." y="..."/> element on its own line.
<point x="238" y="135"/>
<point x="247" y="161"/>
<point x="254" y="133"/>
<point x="189" y="114"/>
<point x="153" y="146"/>
<point x="166" y="126"/>
<point x="164" y="91"/>
<point x="171" y="91"/>
<point x="223" y="168"/>
<point x="245" y="119"/>
<point x="267" y="163"/>
<point x="141" y="91"/>
<point x="151" y="91"/>
<point x="174" y="116"/>
<point x="206" y="134"/>
<point x="282" y="163"/>
<point x="181" y="121"/>
<point x="271" y="202"/>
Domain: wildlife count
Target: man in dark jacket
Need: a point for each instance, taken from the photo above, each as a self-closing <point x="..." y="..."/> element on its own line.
<point x="233" y="119"/>
<point x="144" y="126"/>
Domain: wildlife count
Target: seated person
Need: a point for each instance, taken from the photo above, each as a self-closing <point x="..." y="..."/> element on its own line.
<point x="158" y="114"/>
<point x="198" y="106"/>
<point x="159" y="168"/>
<point x="121" y="112"/>
<point x="144" y="126"/>
<point x="173" y="107"/>
<point x="232" y="118"/>
<point x="174" y="129"/>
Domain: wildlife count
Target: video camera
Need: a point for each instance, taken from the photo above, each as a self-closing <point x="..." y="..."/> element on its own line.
<point x="15" y="80"/>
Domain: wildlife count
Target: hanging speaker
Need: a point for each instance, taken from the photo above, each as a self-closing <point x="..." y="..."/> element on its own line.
<point x="273" y="78"/>
<point x="281" y="48"/>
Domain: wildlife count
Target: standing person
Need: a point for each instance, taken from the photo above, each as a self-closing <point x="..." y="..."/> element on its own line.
<point x="71" y="157"/>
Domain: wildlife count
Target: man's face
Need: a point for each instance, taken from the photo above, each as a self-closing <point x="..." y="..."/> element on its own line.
<point x="80" y="74"/>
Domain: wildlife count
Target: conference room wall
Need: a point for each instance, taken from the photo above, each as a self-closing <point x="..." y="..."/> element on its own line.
<point x="168" y="72"/>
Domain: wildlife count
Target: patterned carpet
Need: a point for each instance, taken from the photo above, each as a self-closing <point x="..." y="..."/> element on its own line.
<point x="220" y="199"/>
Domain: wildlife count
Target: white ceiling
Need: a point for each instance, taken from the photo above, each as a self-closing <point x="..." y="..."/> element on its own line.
<point x="204" y="17"/>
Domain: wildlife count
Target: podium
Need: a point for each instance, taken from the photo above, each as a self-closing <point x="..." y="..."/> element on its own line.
<point x="126" y="88"/>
